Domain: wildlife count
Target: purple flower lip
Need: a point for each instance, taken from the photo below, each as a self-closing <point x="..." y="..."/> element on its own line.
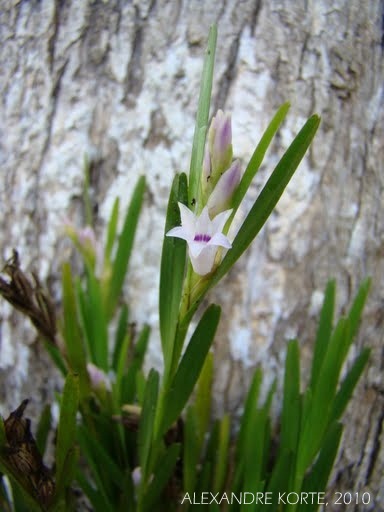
<point x="201" y="237"/>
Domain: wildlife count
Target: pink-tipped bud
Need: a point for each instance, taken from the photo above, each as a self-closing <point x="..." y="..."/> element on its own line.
<point x="220" y="145"/>
<point x="221" y="196"/>
<point x="98" y="378"/>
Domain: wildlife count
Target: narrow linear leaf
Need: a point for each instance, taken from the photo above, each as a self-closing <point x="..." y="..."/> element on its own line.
<point x="206" y="475"/>
<point x="202" y="117"/>
<point x="191" y="452"/>
<point x="246" y="420"/>
<point x="203" y="398"/>
<point x="56" y="357"/>
<point x="133" y="367"/>
<point x="278" y="482"/>
<point x="349" y="383"/>
<point x="43" y="428"/>
<point x="255" y="445"/>
<point x="98" y="323"/>
<point x="324" y="331"/>
<point x="121" y="334"/>
<point x="190" y="367"/>
<point x="97" y="495"/>
<point x="124" y="249"/>
<point x="66" y="430"/>
<point x="317" y="479"/>
<point x="86" y="188"/>
<point x="317" y="420"/>
<point x="147" y="420"/>
<point x="222" y="455"/>
<point x="290" y="417"/>
<point x="73" y="341"/>
<point x="85" y="318"/>
<point x="66" y="476"/>
<point x="358" y="306"/>
<point x="112" y="230"/>
<point x="100" y="456"/>
<point x="161" y="476"/>
<point x="258" y="155"/>
<point x="172" y="269"/>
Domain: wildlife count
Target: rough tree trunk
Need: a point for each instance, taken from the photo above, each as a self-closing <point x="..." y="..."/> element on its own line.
<point x="118" y="81"/>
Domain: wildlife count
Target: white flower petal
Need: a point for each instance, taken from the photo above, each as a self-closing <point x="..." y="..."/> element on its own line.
<point x="220" y="240"/>
<point x="220" y="220"/>
<point x="203" y="223"/>
<point x="195" y="248"/>
<point x="179" y="232"/>
<point x="188" y="220"/>
<point x="203" y="264"/>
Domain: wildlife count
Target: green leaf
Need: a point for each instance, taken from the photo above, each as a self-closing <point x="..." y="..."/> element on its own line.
<point x="203" y="399"/>
<point x="101" y="458"/>
<point x="190" y="367"/>
<point x="249" y="410"/>
<point x="318" y="416"/>
<point x="111" y="231"/>
<point x="257" y="433"/>
<point x="221" y="466"/>
<point x="129" y="381"/>
<point x="43" y="428"/>
<point x="86" y="188"/>
<point x="324" y="331"/>
<point x="56" y="357"/>
<point x="96" y="494"/>
<point x="202" y="118"/>
<point x="358" y="306"/>
<point x="278" y="481"/>
<point x="317" y="479"/>
<point x="161" y="476"/>
<point x="191" y="451"/>
<point x="124" y="249"/>
<point x="349" y="383"/>
<point x="66" y="430"/>
<point x="97" y="322"/>
<point x="71" y="331"/>
<point x="172" y="270"/>
<point x="147" y="421"/>
<point x="85" y="318"/>
<point x="121" y="335"/>
<point x="124" y="389"/>
<point x="290" y="416"/>
<point x="258" y="156"/>
<point x="67" y="475"/>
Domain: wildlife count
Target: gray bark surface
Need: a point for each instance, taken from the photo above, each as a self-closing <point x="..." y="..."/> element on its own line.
<point x="119" y="81"/>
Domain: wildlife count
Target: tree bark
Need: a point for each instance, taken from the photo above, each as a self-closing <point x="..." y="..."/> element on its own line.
<point x="118" y="81"/>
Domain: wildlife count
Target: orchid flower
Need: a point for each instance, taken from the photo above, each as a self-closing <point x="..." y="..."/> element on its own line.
<point x="203" y="237"/>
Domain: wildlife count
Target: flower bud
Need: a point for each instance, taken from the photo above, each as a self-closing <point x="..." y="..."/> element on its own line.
<point x="220" y="145"/>
<point x="98" y="378"/>
<point x="221" y="197"/>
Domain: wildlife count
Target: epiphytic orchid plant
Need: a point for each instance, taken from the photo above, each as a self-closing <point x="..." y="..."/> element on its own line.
<point x="133" y="441"/>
